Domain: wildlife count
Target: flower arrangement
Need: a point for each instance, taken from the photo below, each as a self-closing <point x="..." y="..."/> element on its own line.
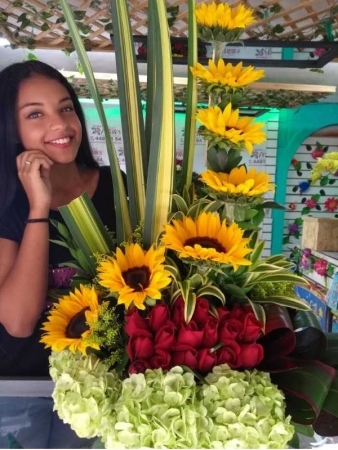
<point x="178" y="334"/>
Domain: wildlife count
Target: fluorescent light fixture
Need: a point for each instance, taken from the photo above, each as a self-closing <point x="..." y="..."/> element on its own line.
<point x="4" y="42"/>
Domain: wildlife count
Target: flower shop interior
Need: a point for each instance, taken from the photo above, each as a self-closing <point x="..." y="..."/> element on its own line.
<point x="295" y="42"/>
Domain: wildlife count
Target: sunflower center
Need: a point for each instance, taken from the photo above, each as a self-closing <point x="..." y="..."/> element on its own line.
<point x="206" y="242"/>
<point x="77" y="325"/>
<point x="234" y="128"/>
<point x="137" y="278"/>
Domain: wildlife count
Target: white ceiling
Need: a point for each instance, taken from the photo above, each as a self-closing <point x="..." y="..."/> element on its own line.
<point x="104" y="62"/>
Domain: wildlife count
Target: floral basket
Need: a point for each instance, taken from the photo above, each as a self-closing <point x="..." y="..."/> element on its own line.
<point x="178" y="333"/>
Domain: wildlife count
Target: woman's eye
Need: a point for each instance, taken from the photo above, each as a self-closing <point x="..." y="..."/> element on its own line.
<point x="34" y="115"/>
<point x="68" y="109"/>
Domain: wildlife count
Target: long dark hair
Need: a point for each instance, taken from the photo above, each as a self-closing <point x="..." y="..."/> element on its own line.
<point x="10" y="145"/>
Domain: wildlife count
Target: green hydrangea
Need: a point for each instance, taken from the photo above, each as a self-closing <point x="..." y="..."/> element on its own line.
<point x="168" y="410"/>
<point x="247" y="410"/>
<point x="85" y="392"/>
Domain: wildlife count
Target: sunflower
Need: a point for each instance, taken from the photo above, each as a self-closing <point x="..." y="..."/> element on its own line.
<point x="207" y="239"/>
<point x="227" y="74"/>
<point x="135" y="274"/>
<point x="238" y="182"/>
<point x="69" y="323"/>
<point x="223" y="16"/>
<point x="238" y="132"/>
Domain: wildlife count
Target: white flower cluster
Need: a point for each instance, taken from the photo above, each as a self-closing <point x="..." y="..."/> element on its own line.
<point x="168" y="409"/>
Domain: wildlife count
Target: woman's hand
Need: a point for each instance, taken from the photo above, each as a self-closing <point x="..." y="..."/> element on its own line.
<point x="33" y="171"/>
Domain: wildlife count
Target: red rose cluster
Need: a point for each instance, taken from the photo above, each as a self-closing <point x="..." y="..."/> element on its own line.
<point x="164" y="340"/>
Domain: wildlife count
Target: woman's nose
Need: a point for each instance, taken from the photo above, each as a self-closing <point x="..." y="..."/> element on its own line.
<point x="58" y="122"/>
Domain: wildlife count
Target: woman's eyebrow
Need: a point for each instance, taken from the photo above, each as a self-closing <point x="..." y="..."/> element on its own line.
<point x="40" y="104"/>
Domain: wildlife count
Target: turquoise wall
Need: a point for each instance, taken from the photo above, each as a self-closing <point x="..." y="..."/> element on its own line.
<point x="295" y="125"/>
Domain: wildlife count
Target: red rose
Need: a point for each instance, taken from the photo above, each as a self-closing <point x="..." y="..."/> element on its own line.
<point x="140" y="347"/>
<point x="184" y="355"/>
<point x="189" y="334"/>
<point x="165" y="337"/>
<point x="206" y="360"/>
<point x="201" y="311"/>
<point x="158" y="317"/>
<point x="210" y="333"/>
<point x="251" y="329"/>
<point x="138" y="366"/>
<point x="223" y="313"/>
<point x="135" y="323"/>
<point x="238" y="312"/>
<point x="230" y="329"/>
<point x="251" y="355"/>
<point x="161" y="359"/>
<point x="177" y="315"/>
<point x="228" y="354"/>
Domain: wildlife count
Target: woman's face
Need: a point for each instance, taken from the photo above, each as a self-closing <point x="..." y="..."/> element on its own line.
<point x="47" y="120"/>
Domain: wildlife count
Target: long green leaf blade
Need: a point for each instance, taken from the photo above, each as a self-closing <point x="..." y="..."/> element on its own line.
<point x="162" y="148"/>
<point x="191" y="108"/>
<point x="123" y="230"/>
<point x="133" y="132"/>
<point x="87" y="229"/>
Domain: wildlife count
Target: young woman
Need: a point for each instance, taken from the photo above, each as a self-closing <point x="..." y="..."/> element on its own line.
<point x="45" y="162"/>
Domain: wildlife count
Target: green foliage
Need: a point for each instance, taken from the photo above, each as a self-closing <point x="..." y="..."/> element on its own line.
<point x="267" y="289"/>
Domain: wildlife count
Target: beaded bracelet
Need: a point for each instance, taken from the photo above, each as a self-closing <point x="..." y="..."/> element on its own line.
<point x="37" y="220"/>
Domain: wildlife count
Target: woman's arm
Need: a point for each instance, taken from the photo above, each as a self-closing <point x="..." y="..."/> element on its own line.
<point x="24" y="267"/>
<point x="24" y="280"/>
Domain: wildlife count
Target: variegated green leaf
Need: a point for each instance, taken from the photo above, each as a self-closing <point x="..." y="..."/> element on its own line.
<point x="180" y="203"/>
<point x="191" y="100"/>
<point x="284" y="276"/>
<point x="213" y="291"/>
<point x="257" y="252"/>
<point x="189" y="306"/>
<point x="289" y="302"/>
<point x="212" y="206"/>
<point x="196" y="280"/>
<point x="162" y="145"/>
<point x="123" y="230"/>
<point x="87" y="229"/>
<point x="261" y="268"/>
<point x="259" y="312"/>
<point x="134" y="143"/>
<point x="196" y="208"/>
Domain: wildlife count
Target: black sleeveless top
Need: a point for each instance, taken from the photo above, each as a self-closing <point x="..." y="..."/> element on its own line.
<point x="26" y="356"/>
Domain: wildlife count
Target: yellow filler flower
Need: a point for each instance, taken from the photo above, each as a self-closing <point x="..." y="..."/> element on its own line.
<point x="135" y="275"/>
<point x="238" y="132"/>
<point x="239" y="182"/>
<point x="223" y="16"/>
<point x="207" y="239"/>
<point x="70" y="321"/>
<point x="227" y="74"/>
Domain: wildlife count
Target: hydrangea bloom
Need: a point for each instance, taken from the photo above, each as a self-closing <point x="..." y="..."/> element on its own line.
<point x="84" y="393"/>
<point x="168" y="410"/>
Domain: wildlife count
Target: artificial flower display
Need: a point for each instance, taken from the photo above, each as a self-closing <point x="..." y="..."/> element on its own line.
<point x="184" y="335"/>
<point x="327" y="164"/>
<point x="239" y="182"/>
<point x="71" y="321"/>
<point x="226" y="126"/>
